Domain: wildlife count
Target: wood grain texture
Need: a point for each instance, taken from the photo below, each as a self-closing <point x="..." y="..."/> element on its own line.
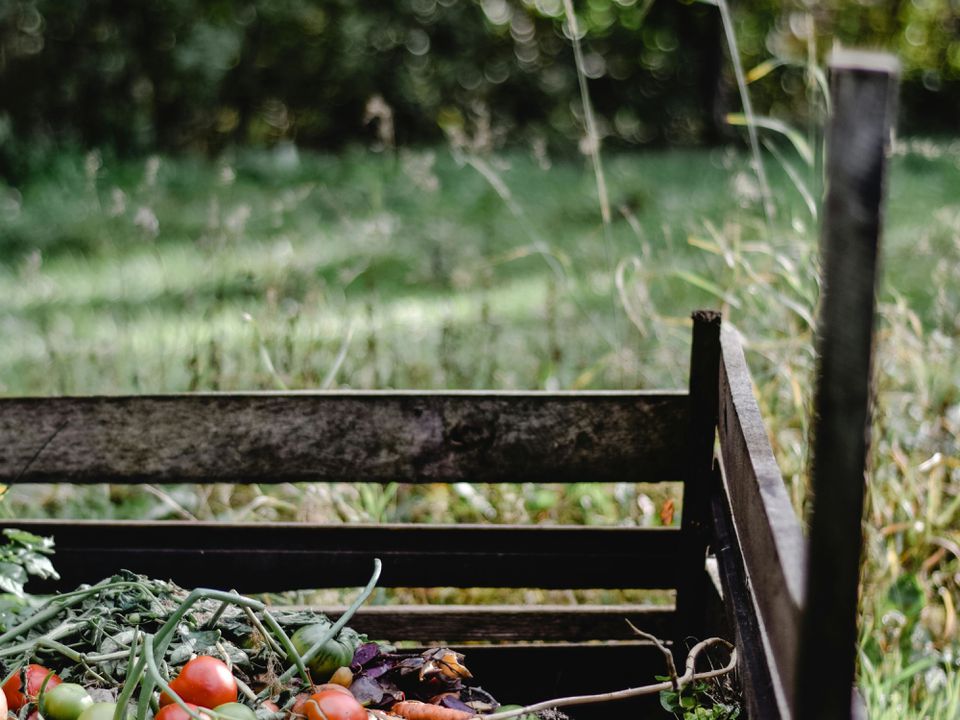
<point x="267" y="557"/>
<point x="767" y="528"/>
<point x="761" y="698"/>
<point x="864" y="88"/>
<point x="345" y="436"/>
<point x="448" y="624"/>
<point x="701" y="433"/>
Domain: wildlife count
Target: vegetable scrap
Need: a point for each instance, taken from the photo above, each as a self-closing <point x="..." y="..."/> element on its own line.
<point x="133" y="648"/>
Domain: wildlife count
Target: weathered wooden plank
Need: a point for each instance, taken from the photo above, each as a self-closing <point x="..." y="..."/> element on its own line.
<point x="864" y="87"/>
<point x="766" y="526"/>
<point x="266" y="557"/>
<point x="754" y="661"/>
<point x="530" y="673"/>
<point x="701" y="434"/>
<point x="345" y="436"/>
<point x="449" y="624"/>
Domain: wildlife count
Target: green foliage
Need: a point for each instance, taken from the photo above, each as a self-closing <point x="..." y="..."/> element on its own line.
<point x="178" y="74"/>
<point x="697" y="703"/>
<point x="23" y="555"/>
<point x="211" y="74"/>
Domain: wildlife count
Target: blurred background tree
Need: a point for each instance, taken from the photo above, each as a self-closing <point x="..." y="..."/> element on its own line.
<point x="204" y="74"/>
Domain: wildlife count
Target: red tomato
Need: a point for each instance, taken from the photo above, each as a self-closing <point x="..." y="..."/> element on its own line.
<point x="331" y="686"/>
<point x="333" y="705"/>
<point x="301" y="700"/>
<point x="35" y="674"/>
<point x="175" y="712"/>
<point x="204" y="681"/>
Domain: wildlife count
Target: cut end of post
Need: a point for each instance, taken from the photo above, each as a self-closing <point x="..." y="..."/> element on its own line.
<point x="709" y="317"/>
<point x="864" y="60"/>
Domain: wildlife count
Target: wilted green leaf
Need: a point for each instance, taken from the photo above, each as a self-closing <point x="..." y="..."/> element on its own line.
<point x="763" y="69"/>
<point x="796" y="139"/>
<point x="12" y="578"/>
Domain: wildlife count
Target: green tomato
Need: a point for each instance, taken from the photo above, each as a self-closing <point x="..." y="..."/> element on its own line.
<point x="236" y="711"/>
<point x="100" y="711"/>
<point x="505" y="708"/>
<point x="335" y="653"/>
<point x="65" y="702"/>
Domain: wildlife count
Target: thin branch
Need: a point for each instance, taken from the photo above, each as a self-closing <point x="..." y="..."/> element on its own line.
<point x="689" y="676"/>
<point x="668" y="656"/>
<point x="171" y="503"/>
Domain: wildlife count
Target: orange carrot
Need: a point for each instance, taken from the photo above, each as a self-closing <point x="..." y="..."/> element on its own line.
<point x="415" y="710"/>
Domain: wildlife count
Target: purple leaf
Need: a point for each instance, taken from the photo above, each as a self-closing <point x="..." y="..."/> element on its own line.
<point x="364" y="654"/>
<point x="452" y="701"/>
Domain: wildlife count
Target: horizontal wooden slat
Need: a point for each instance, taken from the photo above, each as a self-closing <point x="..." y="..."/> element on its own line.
<point x="766" y="526"/>
<point x="526" y="674"/>
<point x="267" y="557"/>
<point x="344" y="436"/>
<point x="508" y="623"/>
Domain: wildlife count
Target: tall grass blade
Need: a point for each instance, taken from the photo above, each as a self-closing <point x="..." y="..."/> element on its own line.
<point x="593" y="137"/>
<point x="633" y="312"/>
<point x="796" y="139"/>
<point x="763" y="69"/>
<point x="727" y="23"/>
<point x="795" y="178"/>
<point x="593" y="148"/>
<point x="338" y="361"/>
<point x="708" y="286"/>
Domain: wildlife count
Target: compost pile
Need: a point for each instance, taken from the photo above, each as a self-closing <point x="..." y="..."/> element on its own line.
<point x="136" y="647"/>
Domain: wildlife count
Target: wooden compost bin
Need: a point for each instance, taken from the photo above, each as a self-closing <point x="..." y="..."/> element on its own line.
<point x="710" y="437"/>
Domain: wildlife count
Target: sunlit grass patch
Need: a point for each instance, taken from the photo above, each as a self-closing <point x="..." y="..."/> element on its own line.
<point x="371" y="271"/>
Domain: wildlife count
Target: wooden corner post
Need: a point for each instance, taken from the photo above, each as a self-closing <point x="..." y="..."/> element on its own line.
<point x="698" y="476"/>
<point x="864" y="98"/>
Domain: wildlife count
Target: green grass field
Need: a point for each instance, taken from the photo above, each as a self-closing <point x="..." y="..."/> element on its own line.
<point x="424" y="270"/>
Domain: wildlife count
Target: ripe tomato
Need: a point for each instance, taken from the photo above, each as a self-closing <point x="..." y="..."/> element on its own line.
<point x="65" y="702"/>
<point x="204" y="681"/>
<point x="35" y="675"/>
<point x="297" y="709"/>
<point x="333" y="705"/>
<point x="175" y="712"/>
<point x="331" y="686"/>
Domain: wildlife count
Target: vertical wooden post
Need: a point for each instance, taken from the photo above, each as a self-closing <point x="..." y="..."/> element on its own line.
<point x="697" y="483"/>
<point x="864" y="93"/>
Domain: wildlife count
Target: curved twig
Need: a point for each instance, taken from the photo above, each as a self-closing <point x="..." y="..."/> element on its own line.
<point x="667" y="655"/>
<point x="338" y="625"/>
<point x="689" y="676"/>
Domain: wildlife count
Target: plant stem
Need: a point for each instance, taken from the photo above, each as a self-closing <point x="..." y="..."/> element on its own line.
<point x="157" y="678"/>
<point x="165" y="633"/>
<point x="255" y="621"/>
<point x="339" y="624"/>
<point x="55" y="634"/>
<point x="727" y="22"/>
<point x="61" y="602"/>
<point x="299" y="663"/>
<point x="134" y="672"/>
